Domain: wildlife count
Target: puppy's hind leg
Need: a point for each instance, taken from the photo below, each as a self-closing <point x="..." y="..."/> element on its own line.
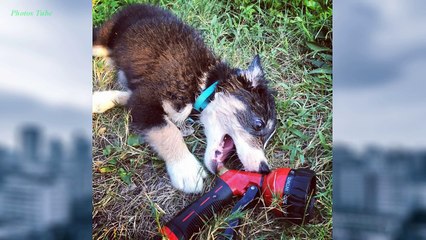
<point x="105" y="100"/>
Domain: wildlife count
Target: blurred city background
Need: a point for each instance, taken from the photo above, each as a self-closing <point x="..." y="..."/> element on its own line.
<point x="45" y="187"/>
<point x="379" y="152"/>
<point x="379" y="193"/>
<point x="45" y="120"/>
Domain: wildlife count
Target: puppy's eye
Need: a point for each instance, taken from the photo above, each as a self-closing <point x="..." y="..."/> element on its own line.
<point x="259" y="124"/>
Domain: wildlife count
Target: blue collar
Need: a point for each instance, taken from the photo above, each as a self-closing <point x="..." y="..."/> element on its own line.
<point x="202" y="100"/>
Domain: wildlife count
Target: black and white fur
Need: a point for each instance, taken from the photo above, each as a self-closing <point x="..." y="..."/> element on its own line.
<point x="165" y="65"/>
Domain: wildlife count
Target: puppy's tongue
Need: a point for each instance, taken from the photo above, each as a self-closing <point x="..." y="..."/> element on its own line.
<point x="223" y="151"/>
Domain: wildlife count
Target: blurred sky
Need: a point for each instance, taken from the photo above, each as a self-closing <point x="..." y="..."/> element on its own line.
<point x="379" y="81"/>
<point x="45" y="67"/>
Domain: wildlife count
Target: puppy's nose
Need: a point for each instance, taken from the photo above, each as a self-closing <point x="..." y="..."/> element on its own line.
<point x="264" y="168"/>
<point x="213" y="166"/>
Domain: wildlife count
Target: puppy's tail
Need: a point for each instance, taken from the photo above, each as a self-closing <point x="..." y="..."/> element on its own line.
<point x="100" y="44"/>
<point x="104" y="36"/>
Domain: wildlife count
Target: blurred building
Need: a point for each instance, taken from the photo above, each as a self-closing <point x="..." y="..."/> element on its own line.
<point x="30" y="145"/>
<point x="376" y="192"/>
<point x="38" y="194"/>
<point x="3" y="162"/>
<point x="81" y="151"/>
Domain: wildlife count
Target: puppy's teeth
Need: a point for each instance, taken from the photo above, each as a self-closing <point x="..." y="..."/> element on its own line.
<point x="220" y="165"/>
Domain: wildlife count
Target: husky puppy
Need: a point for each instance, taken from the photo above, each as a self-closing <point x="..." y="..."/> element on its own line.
<point x="166" y="68"/>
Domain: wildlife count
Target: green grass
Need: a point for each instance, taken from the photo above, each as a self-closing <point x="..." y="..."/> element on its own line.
<point x="132" y="195"/>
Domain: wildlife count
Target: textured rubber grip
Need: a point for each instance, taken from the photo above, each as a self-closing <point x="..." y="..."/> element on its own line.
<point x="193" y="217"/>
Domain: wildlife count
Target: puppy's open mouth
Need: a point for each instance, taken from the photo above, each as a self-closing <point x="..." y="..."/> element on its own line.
<point x="222" y="152"/>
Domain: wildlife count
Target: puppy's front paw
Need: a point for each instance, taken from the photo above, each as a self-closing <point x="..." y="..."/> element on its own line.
<point x="187" y="174"/>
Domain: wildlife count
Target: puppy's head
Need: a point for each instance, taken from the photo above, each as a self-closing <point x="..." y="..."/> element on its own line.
<point x="243" y="114"/>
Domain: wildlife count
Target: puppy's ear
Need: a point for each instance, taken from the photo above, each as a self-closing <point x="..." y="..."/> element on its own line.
<point x="254" y="73"/>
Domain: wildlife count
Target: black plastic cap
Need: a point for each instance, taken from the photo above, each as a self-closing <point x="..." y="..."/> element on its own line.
<point x="299" y="192"/>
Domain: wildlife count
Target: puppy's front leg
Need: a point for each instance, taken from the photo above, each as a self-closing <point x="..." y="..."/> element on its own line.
<point x="185" y="172"/>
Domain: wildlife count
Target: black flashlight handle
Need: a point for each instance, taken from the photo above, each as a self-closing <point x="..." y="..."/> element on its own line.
<point x="193" y="217"/>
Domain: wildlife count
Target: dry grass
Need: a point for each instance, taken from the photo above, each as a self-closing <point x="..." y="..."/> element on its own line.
<point x="132" y="195"/>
